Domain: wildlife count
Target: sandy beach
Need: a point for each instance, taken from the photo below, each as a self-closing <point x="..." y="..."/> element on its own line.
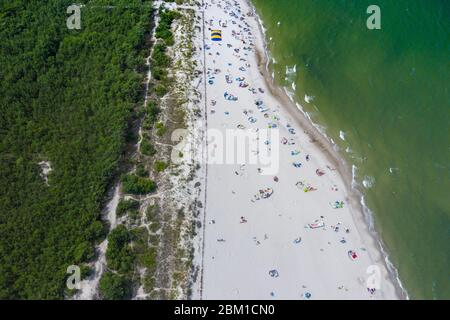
<point x="297" y="233"/>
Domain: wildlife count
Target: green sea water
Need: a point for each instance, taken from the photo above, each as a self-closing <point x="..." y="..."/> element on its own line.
<point x="388" y="92"/>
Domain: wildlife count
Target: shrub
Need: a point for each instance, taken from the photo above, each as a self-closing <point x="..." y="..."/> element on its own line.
<point x="140" y="238"/>
<point x="159" y="73"/>
<point x="114" y="287"/>
<point x="137" y="185"/>
<point x="160" y="90"/>
<point x="147" y="148"/>
<point x="155" y="226"/>
<point x="153" y="110"/>
<point x="141" y="171"/>
<point x="152" y="212"/>
<point x="160" y="166"/>
<point x="133" y="217"/>
<point x="169" y="41"/>
<point x="159" y="47"/>
<point x="148" y="259"/>
<point x="119" y="255"/>
<point x="163" y="31"/>
<point x="147" y="125"/>
<point x="160" y="59"/>
<point x="126" y="205"/>
<point x="149" y="281"/>
<point x="160" y="129"/>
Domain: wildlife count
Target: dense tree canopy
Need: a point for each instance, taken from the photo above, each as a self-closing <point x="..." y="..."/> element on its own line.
<point x="66" y="97"/>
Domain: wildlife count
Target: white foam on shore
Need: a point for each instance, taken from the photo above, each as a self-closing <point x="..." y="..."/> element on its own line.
<point x="369" y="219"/>
<point x="320" y="128"/>
<point x="342" y="135"/>
<point x="266" y="51"/>
<point x="368" y="215"/>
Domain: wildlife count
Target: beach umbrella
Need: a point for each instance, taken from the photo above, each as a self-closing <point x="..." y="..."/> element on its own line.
<point x="216" y="35"/>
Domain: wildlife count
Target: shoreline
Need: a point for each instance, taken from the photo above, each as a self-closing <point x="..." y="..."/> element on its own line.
<point x="293" y="243"/>
<point x="328" y="148"/>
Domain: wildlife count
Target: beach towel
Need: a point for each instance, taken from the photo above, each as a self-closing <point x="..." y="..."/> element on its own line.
<point x="317" y="224"/>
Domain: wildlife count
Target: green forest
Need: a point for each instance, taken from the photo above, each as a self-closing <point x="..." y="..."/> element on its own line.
<point x="67" y="97"/>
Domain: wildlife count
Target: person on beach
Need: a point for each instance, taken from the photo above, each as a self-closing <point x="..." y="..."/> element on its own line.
<point x="274" y="273"/>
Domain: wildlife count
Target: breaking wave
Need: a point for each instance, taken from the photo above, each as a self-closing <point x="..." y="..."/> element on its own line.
<point x="368" y="182"/>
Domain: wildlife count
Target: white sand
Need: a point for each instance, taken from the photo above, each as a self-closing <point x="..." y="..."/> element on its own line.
<point x="46" y="169"/>
<point x="238" y="268"/>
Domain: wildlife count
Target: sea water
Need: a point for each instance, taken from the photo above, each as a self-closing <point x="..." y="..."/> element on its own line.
<point x="383" y="97"/>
